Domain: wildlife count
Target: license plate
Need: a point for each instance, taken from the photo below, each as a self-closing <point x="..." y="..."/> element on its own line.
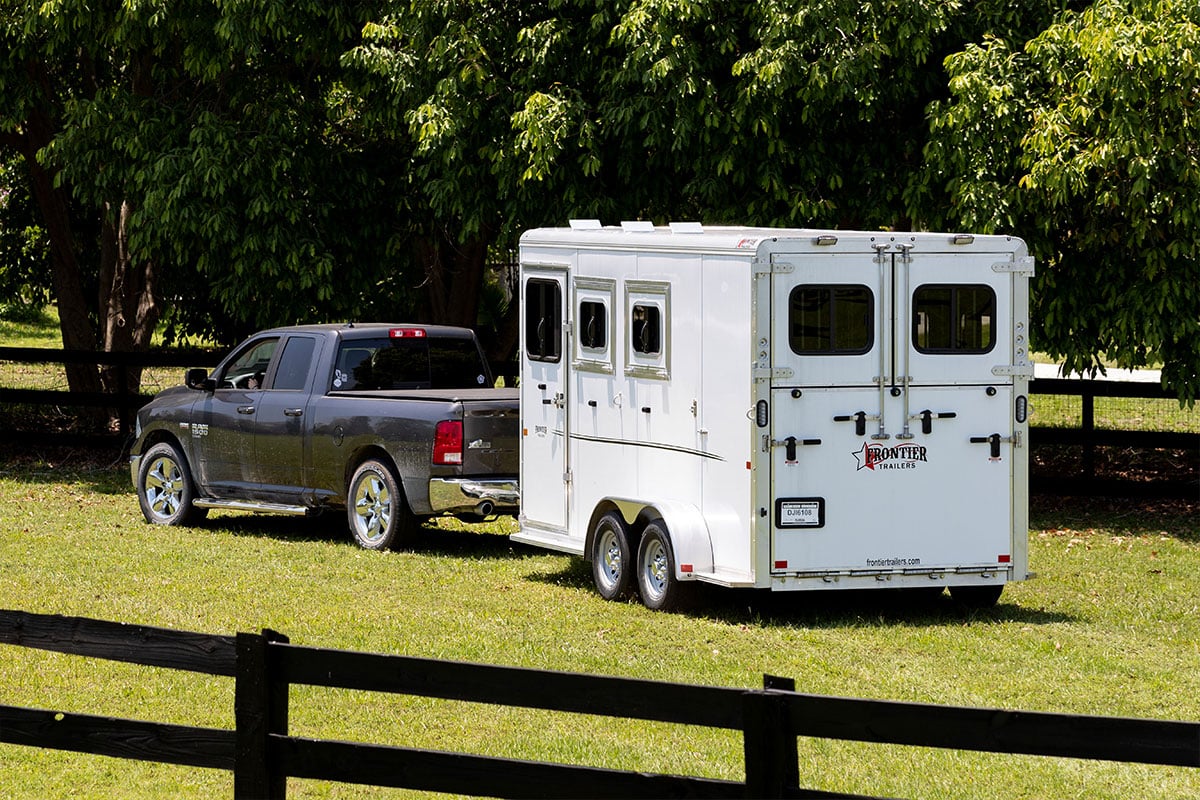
<point x="800" y="512"/>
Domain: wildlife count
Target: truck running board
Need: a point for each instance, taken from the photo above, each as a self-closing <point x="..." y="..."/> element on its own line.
<point x="251" y="505"/>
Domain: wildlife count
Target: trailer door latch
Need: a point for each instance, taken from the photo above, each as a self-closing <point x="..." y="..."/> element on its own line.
<point x="992" y="441"/>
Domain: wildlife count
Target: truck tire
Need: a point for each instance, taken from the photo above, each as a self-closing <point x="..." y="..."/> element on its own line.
<point x="612" y="561"/>
<point x="659" y="588"/>
<point x="976" y="596"/>
<point x="379" y="518"/>
<point x="164" y="487"/>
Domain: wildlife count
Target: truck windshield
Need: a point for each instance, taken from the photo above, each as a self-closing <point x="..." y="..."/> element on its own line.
<point x="417" y="363"/>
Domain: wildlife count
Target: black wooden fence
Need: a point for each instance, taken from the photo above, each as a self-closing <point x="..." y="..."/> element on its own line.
<point x="1086" y="438"/>
<point x="261" y="754"/>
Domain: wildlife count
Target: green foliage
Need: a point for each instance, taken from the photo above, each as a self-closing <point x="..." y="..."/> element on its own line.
<point x="1084" y="140"/>
<point x="23" y="245"/>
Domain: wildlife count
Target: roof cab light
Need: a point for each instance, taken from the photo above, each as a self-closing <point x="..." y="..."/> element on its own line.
<point x="448" y="443"/>
<point x="407" y="333"/>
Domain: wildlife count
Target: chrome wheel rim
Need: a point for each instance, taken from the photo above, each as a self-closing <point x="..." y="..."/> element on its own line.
<point x="372" y="508"/>
<point x="164" y="485"/>
<point x="654" y="571"/>
<point x="610" y="559"/>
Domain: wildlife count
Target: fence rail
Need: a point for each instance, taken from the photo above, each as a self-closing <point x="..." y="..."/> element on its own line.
<point x="1087" y="436"/>
<point x="262" y="755"/>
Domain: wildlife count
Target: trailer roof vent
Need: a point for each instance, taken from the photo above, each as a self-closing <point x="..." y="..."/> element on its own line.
<point x="962" y="238"/>
<point x="825" y="240"/>
<point x="638" y="226"/>
<point x="585" y="224"/>
<point x="687" y="227"/>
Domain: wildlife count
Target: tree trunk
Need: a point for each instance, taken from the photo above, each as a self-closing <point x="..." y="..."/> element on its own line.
<point x="74" y="322"/>
<point x="129" y="307"/>
<point x="453" y="279"/>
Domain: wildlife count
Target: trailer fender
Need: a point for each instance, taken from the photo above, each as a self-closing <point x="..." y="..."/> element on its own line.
<point x="690" y="538"/>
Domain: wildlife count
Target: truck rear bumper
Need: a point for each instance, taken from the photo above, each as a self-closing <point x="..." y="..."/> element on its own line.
<point x="482" y="496"/>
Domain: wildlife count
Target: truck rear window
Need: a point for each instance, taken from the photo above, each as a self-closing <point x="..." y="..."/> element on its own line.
<point x="417" y="363"/>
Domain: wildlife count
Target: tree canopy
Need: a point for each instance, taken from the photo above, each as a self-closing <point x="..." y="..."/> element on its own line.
<point x="220" y="166"/>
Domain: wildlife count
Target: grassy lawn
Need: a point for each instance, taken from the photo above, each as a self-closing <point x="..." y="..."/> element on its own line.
<point x="1110" y="626"/>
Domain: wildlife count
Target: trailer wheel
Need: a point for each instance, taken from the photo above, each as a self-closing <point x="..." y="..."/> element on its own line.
<point x="379" y="517"/>
<point x="164" y="487"/>
<point x="612" y="561"/>
<point x="657" y="584"/>
<point x="976" y="596"/>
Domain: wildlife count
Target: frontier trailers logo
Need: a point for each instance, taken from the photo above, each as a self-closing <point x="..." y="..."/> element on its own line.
<point x="874" y="456"/>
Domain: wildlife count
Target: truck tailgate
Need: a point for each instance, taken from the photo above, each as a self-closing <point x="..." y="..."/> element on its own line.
<point x="491" y="433"/>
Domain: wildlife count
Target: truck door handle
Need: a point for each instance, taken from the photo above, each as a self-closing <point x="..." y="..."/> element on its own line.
<point x="293" y="412"/>
<point x="245" y="409"/>
<point x="992" y="441"/>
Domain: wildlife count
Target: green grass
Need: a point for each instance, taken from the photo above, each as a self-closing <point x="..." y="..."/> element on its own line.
<point x="1111" y="626"/>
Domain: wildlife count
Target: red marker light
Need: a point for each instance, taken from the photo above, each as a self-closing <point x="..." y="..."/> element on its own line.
<point x="780" y="565"/>
<point x="407" y="333"/>
<point x="1004" y="559"/>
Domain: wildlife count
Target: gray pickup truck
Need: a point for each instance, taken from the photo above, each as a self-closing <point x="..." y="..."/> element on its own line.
<point x="393" y="423"/>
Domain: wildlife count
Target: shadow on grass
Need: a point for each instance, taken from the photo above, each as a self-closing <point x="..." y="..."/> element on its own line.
<point x="828" y="609"/>
<point x="471" y="541"/>
<point x="1177" y="518"/>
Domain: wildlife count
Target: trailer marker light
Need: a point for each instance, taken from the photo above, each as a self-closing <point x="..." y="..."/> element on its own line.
<point x="780" y="565"/>
<point x="825" y="240"/>
<point x="685" y="567"/>
<point x="962" y="238"/>
<point x="1004" y="559"/>
<point x="748" y="465"/>
<point x="761" y="417"/>
<point x="407" y="333"/>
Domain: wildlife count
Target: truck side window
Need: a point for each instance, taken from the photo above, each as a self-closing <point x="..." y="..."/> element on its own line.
<point x="294" y="363"/>
<point x="646" y="333"/>
<point x="543" y="320"/>
<point x="949" y="318"/>
<point x="593" y="325"/>
<point x="831" y="320"/>
<point x="250" y="367"/>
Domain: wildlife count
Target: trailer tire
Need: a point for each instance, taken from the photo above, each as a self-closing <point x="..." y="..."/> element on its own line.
<point x="976" y="596"/>
<point x="660" y="590"/>
<point x="612" y="559"/>
<point x="378" y="515"/>
<point x="164" y="487"/>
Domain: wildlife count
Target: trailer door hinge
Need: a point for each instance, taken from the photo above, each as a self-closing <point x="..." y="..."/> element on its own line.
<point x="762" y="268"/>
<point x="1013" y="370"/>
<point x="1020" y="266"/>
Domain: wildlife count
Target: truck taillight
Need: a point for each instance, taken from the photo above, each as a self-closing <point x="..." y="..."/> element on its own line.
<point x="448" y="443"/>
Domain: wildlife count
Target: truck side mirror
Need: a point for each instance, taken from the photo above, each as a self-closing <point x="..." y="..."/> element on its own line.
<point x="197" y="378"/>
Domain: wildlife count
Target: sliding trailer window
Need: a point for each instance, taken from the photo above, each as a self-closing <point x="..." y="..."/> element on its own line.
<point x="954" y="318"/>
<point x="826" y="320"/>
<point x="543" y="320"/>
<point x="647" y="329"/>
<point x="594" y="302"/>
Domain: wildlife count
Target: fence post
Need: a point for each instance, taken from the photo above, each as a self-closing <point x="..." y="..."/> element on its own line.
<point x="772" y="769"/>
<point x="260" y="709"/>
<point x="1088" y="426"/>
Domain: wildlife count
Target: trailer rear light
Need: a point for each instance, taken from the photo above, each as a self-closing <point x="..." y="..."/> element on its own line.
<point x="1005" y="559"/>
<point x="448" y="443"/>
<point x="407" y="333"/>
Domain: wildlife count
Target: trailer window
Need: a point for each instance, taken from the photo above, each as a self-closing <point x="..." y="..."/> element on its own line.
<point x="831" y="320"/>
<point x="954" y="318"/>
<point x="543" y="320"/>
<point x="593" y="325"/>
<point x="646" y="333"/>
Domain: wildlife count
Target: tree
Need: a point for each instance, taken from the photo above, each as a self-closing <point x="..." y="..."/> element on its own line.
<point x="199" y="152"/>
<point x="1084" y="139"/>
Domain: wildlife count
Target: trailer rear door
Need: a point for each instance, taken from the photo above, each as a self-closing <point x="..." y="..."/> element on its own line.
<point x="890" y="434"/>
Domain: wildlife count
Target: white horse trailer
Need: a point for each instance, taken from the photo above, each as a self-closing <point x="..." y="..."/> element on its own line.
<point x="776" y="408"/>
